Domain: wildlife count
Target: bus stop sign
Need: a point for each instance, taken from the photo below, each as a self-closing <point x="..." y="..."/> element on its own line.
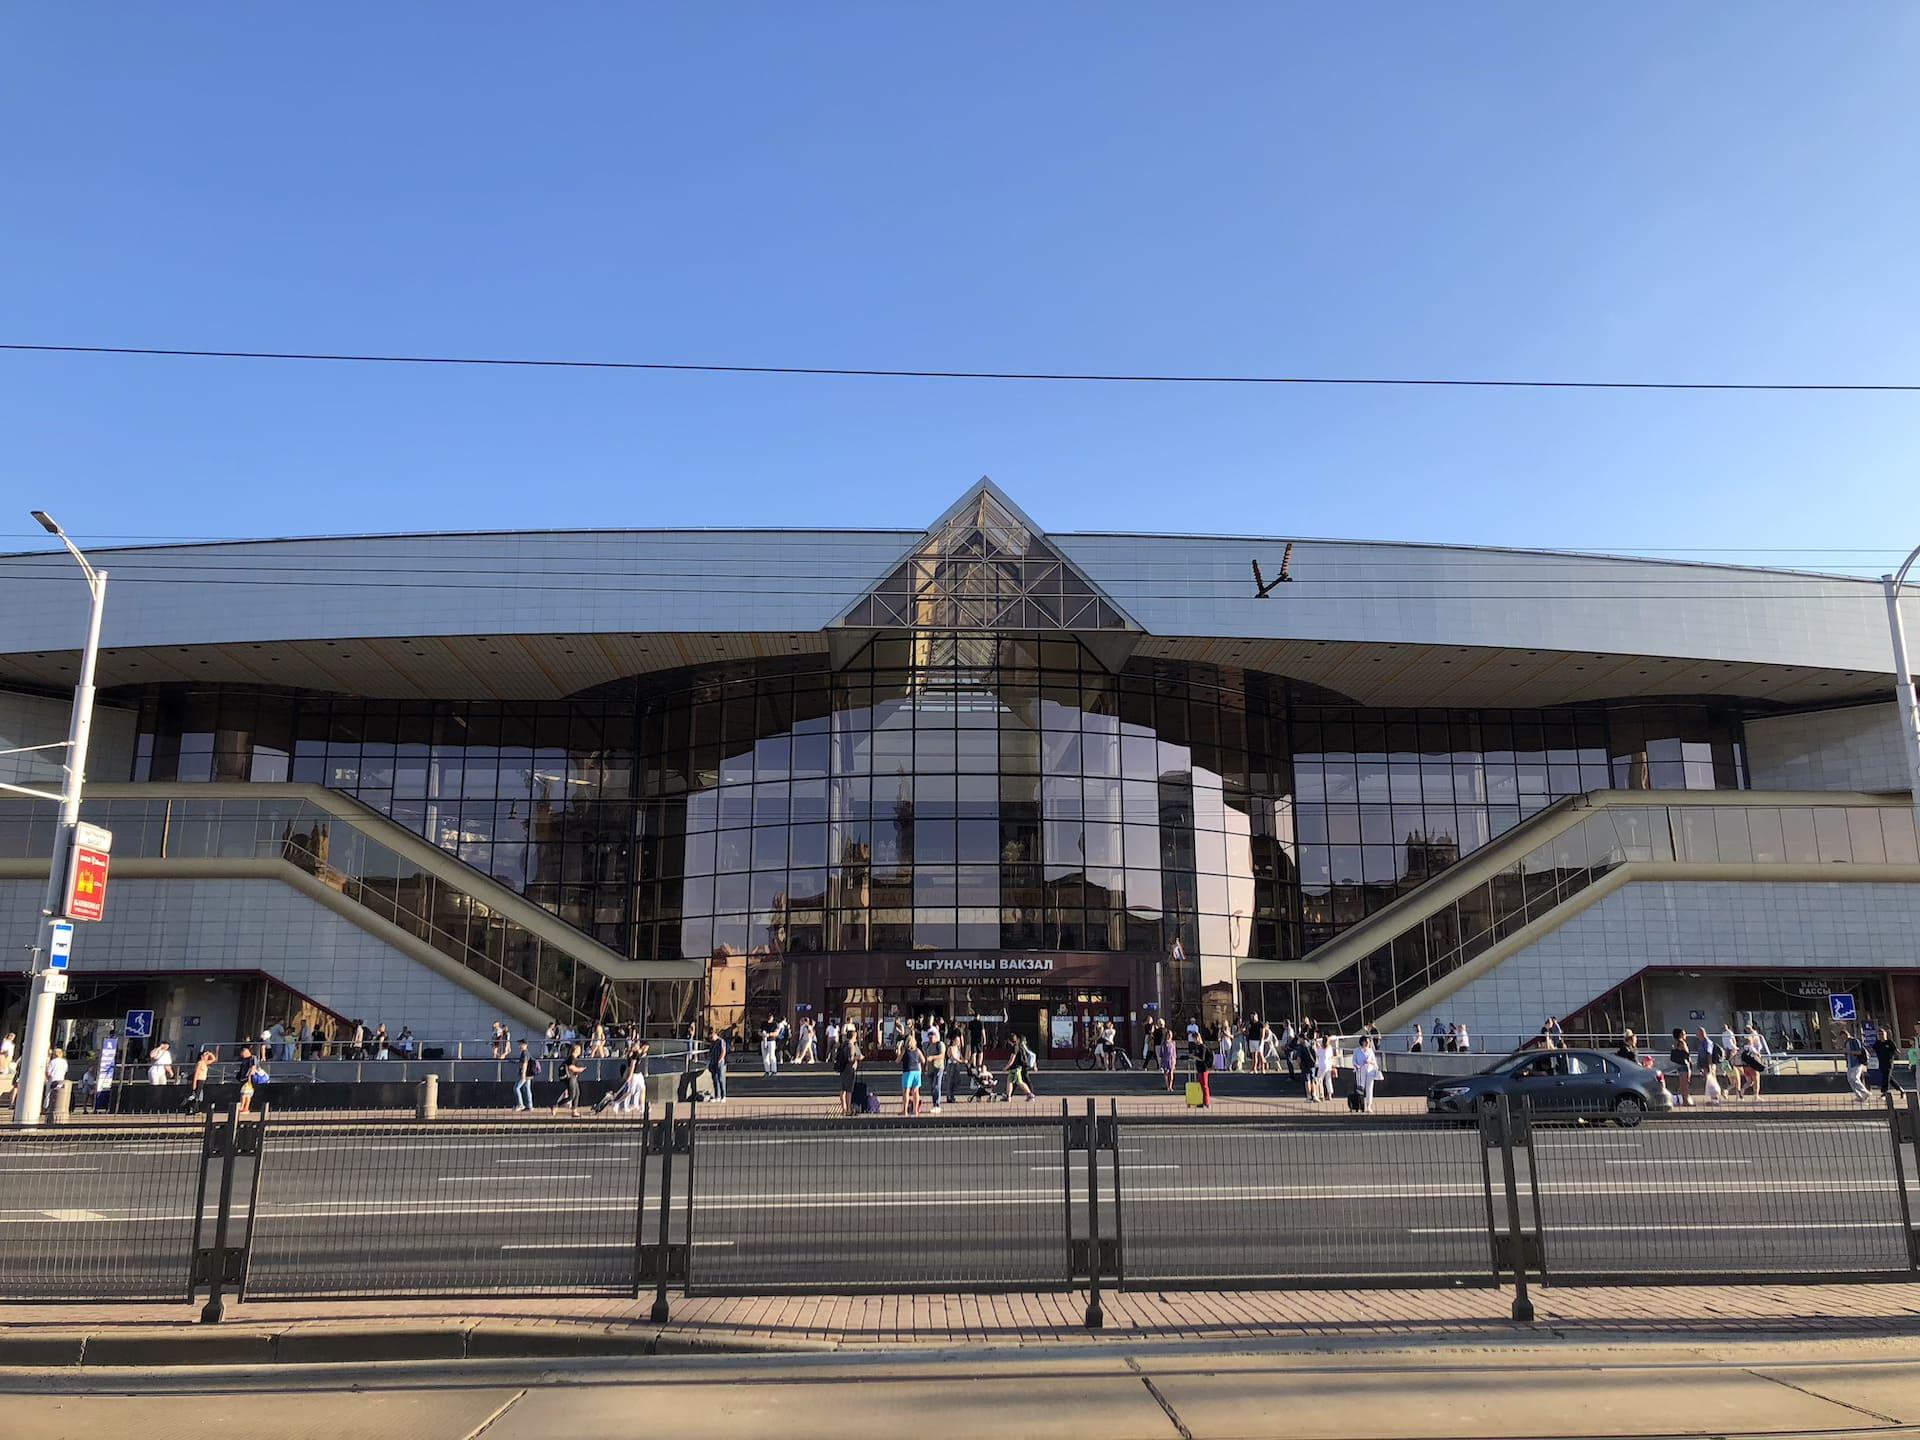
<point x="87" y="873"/>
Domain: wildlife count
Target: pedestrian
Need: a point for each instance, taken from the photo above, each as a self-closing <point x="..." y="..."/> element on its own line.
<point x="1019" y="1065"/>
<point x="1462" y="1041"/>
<point x="846" y="1064"/>
<point x="936" y="1063"/>
<point x="1628" y="1048"/>
<point x="1680" y="1067"/>
<point x="912" y="1062"/>
<point x="803" y="1052"/>
<point x="197" y="1090"/>
<point x="769" y="1048"/>
<point x="499" y="1042"/>
<point x="1707" y="1062"/>
<point x="976" y="1037"/>
<point x="1753" y="1060"/>
<point x="1419" y="1041"/>
<point x="1884" y="1049"/>
<point x="950" y="1071"/>
<point x="380" y="1048"/>
<point x="1366" y="1072"/>
<point x="1200" y="1061"/>
<point x="1320" y="1084"/>
<point x="688" y="1091"/>
<point x="1854" y="1061"/>
<point x="620" y="1097"/>
<point x="523" y="1087"/>
<point x="160" y="1064"/>
<point x="717" y="1063"/>
<point x="571" y="1069"/>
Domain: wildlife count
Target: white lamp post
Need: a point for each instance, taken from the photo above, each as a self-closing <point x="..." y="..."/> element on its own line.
<point x="39" y="1037"/>
<point x="1908" y="708"/>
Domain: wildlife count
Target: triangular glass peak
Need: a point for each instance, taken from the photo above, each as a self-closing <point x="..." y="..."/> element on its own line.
<point x="985" y="566"/>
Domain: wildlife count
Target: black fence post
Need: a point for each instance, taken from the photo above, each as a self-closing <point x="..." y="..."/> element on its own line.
<point x="1119" y="1236"/>
<point x="660" y="1311"/>
<point x="1066" y="1183"/>
<point x="200" y="1201"/>
<point x="259" y="1151"/>
<point x="1900" y="1167"/>
<point x="1522" y="1302"/>
<point x="1096" y="1317"/>
<point x="216" y="1307"/>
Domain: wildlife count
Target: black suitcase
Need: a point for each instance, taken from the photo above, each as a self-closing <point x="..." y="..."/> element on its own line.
<point x="1355" y="1103"/>
<point x="859" y="1097"/>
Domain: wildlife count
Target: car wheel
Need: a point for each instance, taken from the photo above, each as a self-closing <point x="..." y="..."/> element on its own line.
<point x="1627" y="1111"/>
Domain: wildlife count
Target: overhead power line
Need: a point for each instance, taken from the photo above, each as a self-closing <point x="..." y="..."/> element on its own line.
<point x="883" y="373"/>
<point x="728" y="585"/>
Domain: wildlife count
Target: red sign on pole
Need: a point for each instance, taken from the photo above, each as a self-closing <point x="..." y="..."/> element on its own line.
<point x="87" y="873"/>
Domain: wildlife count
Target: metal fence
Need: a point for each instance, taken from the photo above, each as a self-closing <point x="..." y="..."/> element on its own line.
<point x="716" y="1201"/>
<point x="784" y="1204"/>
<point x="1304" y="1202"/>
<point x="98" y="1211"/>
<point x="383" y="1208"/>
<point x="1739" y="1194"/>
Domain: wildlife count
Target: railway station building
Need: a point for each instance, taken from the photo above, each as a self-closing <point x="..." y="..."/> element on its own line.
<point x="980" y="768"/>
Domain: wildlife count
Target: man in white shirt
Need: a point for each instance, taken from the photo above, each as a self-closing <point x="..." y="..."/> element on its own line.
<point x="56" y="1075"/>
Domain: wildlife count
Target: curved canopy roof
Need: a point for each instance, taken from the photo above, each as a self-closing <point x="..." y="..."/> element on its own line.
<point x="550" y="613"/>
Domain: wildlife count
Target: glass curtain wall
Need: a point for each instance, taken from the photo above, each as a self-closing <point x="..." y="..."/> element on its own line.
<point x="945" y="792"/>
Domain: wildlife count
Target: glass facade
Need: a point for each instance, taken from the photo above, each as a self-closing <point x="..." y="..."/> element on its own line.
<point x="946" y="791"/>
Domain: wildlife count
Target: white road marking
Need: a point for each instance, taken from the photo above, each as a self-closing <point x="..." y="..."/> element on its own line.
<point x="618" y="1245"/>
<point x="1663" y="1164"/>
<point x="1056" y="1169"/>
<point x="1712" y="1229"/>
<point x="73" y="1215"/>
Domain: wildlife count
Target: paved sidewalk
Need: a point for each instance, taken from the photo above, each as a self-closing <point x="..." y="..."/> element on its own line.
<point x="34" y="1334"/>
<point x="1140" y="1392"/>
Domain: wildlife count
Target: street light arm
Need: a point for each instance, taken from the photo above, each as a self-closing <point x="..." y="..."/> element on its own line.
<point x="1900" y="575"/>
<point x="52" y="527"/>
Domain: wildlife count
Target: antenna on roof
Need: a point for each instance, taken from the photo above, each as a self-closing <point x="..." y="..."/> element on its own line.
<point x="1263" y="587"/>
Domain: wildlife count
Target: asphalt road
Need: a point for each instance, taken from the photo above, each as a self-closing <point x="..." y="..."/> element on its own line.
<point x="948" y="1203"/>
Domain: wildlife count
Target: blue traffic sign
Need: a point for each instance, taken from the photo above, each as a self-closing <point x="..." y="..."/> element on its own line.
<point x="60" y="945"/>
<point x="139" y="1024"/>
<point x="1841" y="1005"/>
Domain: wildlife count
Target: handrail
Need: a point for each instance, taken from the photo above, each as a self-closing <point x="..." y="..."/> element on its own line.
<point x="404" y="842"/>
<point x="364" y="863"/>
<point x="1536" y="891"/>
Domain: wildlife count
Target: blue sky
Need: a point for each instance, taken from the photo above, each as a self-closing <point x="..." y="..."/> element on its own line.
<point x="1709" y="191"/>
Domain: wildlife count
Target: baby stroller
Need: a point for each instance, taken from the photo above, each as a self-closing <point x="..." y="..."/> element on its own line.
<point x="982" y="1078"/>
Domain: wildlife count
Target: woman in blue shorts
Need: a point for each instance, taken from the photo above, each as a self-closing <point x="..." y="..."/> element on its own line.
<point x="912" y="1061"/>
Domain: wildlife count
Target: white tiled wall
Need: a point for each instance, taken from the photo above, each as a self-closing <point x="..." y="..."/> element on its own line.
<point x="1729" y="924"/>
<point x="203" y="927"/>
<point x="1852" y="749"/>
<point x="35" y="720"/>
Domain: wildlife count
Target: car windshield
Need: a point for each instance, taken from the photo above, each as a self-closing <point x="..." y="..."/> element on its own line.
<point x="1501" y="1067"/>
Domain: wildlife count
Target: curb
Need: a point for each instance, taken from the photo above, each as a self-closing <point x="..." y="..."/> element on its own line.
<point x="310" y="1343"/>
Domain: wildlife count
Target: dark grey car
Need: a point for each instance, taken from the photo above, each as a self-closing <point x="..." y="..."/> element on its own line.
<point x="1588" y="1083"/>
